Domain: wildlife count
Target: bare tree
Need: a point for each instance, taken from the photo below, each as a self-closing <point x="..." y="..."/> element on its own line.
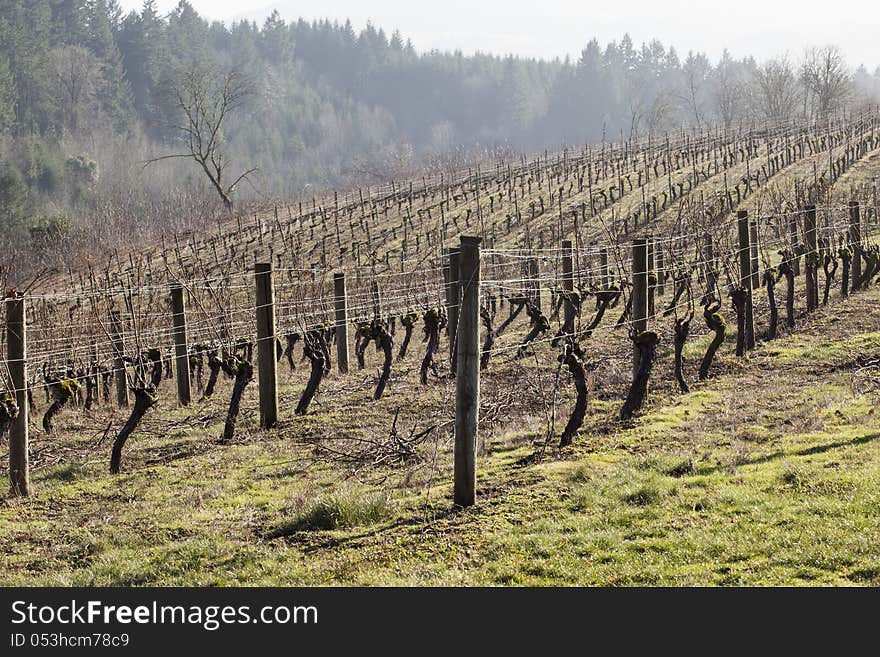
<point x="826" y="77"/>
<point x="776" y="88"/>
<point x="695" y="73"/>
<point x="76" y="76"/>
<point x="728" y="92"/>
<point x="660" y="112"/>
<point x="205" y="97"/>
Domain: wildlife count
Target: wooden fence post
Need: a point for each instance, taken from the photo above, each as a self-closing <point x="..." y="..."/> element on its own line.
<point x="119" y="374"/>
<point x="341" y="303"/>
<point x="181" y="346"/>
<point x="793" y="235"/>
<point x="453" y="299"/>
<point x="651" y="270"/>
<point x="745" y="275"/>
<point x="467" y="386"/>
<point x="568" y="284"/>
<point x="876" y="209"/>
<point x="266" y="350"/>
<point x="854" y="241"/>
<point x="534" y="276"/>
<point x="753" y="251"/>
<point x="377" y="299"/>
<point x="874" y="194"/>
<point x="603" y="266"/>
<point x="660" y="269"/>
<point x="16" y="355"/>
<point x="639" y="310"/>
<point x="811" y="258"/>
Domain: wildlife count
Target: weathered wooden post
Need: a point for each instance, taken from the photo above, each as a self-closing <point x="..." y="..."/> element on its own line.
<point x="119" y="374"/>
<point x="854" y="240"/>
<point x="874" y="193"/>
<point x="181" y="347"/>
<point x="661" y="270"/>
<point x="377" y="300"/>
<point x="341" y="304"/>
<point x="603" y="266"/>
<point x="811" y="258"/>
<point x="535" y="282"/>
<point x="753" y="251"/>
<point x="467" y="386"/>
<point x="793" y="234"/>
<point x="453" y="299"/>
<point x="16" y="355"/>
<point x="651" y="274"/>
<point x="639" y="310"/>
<point x="266" y="338"/>
<point x="745" y="275"/>
<point x="568" y="284"/>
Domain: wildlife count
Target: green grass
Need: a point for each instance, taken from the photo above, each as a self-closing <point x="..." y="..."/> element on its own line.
<point x="767" y="474"/>
<point x="337" y="510"/>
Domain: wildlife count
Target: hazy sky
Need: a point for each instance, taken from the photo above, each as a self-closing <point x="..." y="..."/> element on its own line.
<point x="550" y="28"/>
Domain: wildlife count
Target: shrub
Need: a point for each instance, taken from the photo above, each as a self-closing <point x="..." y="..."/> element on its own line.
<point x="47" y="229"/>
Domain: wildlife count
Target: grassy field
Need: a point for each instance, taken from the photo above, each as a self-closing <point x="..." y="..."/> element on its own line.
<point x="768" y="473"/>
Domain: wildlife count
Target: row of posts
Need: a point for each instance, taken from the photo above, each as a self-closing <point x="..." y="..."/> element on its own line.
<point x="463" y="309"/>
<point x="749" y="266"/>
<point x="463" y="298"/>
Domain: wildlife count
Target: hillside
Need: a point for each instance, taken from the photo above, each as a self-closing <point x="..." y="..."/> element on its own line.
<point x="762" y="473"/>
<point x="765" y="474"/>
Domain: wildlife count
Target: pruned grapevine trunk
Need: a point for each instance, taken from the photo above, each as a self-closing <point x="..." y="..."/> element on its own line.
<point x="486" y="352"/>
<point x="143" y="401"/>
<point x="91" y="379"/>
<point x="625" y="315"/>
<point x="319" y="338"/>
<point x="605" y="299"/>
<point x="715" y="322"/>
<point x="197" y="366"/>
<point x="572" y="357"/>
<point x="431" y="320"/>
<point x="846" y="258"/>
<point x="385" y="342"/>
<point x="681" y="286"/>
<point x="829" y="266"/>
<point x="144" y="398"/>
<point x="567" y="328"/>
<point x="646" y="342"/>
<point x="871" y="265"/>
<point x="770" y="283"/>
<point x="540" y="325"/>
<point x="409" y="321"/>
<point x="785" y="269"/>
<point x="362" y="339"/>
<point x="106" y="378"/>
<point x="316" y="359"/>
<point x="215" y="364"/>
<point x="63" y="390"/>
<point x="243" y="371"/>
<point x="291" y="339"/>
<point x="682" y="329"/>
<point x="739" y="297"/>
<point x="517" y="303"/>
<point x="8" y="412"/>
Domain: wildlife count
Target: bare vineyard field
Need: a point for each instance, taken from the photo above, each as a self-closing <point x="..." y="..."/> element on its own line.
<point x="727" y="482"/>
